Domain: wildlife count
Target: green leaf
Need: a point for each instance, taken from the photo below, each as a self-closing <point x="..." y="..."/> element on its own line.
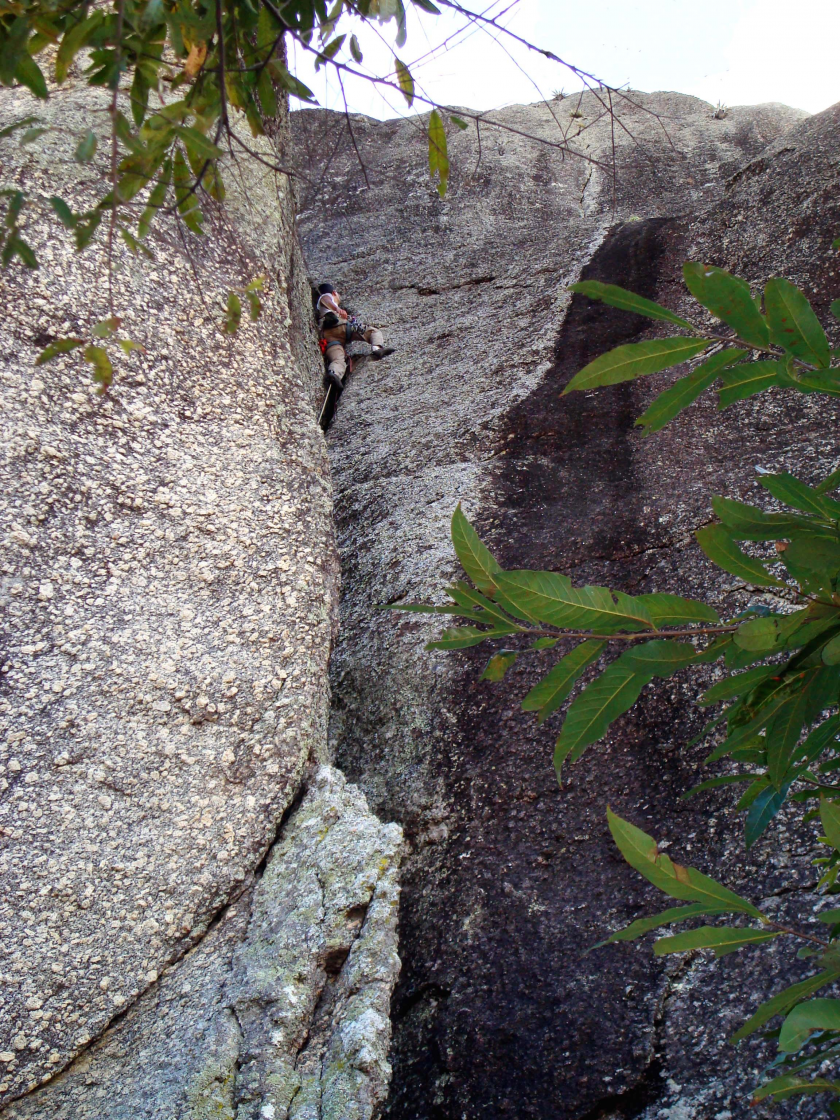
<point x="254" y="305"/>
<point x="814" y="1015"/>
<point x="614" y="296"/>
<point x="475" y="557"/>
<point x="668" y="404"/>
<point x="426" y="6"/>
<point x="761" y="812"/>
<point x="197" y="143"/>
<point x="748" y="798"/>
<point x="355" y="49"/>
<point x="544" y="643"/>
<point x="746" y="380"/>
<point x="635" y="359"/>
<point x="128" y="347"/>
<point x="498" y="665"/>
<point x="86" y="147"/>
<point x="749" y="523"/>
<point x="60" y="346"/>
<point x="684" y="883"/>
<point x="438" y="152"/>
<point x="103" y="371"/>
<point x="106" y="327"/>
<point x="793" y="324"/>
<point x="820" y="739"/>
<point x="547" y="696"/>
<point x="661" y="658"/>
<point x="550" y="597"/>
<point x="592" y="712"/>
<point x="330" y="50"/>
<point x="460" y="637"/>
<point x="831" y="651"/>
<point x="428" y="608"/>
<point x="673" y="610"/>
<point x="185" y="198"/>
<point x="29" y="74"/>
<point x="830" y="820"/>
<point x="736" y="685"/>
<point x="33" y="134"/>
<point x="721" y="548"/>
<point x="15" y="246"/>
<point x="761" y="634"/>
<point x="817" y="555"/>
<point x="234" y="313"/>
<point x="24" y="122"/>
<point x="830" y="917"/>
<point x="784" y="1000"/>
<point x="834" y="307"/>
<point x="799" y="495"/>
<point x="462" y="594"/>
<point x="72" y="41"/>
<point x="458" y="122"/>
<point x="813" y="693"/>
<point x="268" y="98"/>
<point x="405" y="80"/>
<point x="729" y="299"/>
<point x="157" y="198"/>
<point x="65" y="214"/>
<point x="290" y="83"/>
<point x="86" y="230"/>
<point x="744" y="734"/>
<point x="791" y="1085"/>
<point x="723" y="939"/>
<point x="644" y="925"/>
<point x="716" y="783"/>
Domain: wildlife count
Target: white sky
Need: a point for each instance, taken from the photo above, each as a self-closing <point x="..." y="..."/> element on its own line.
<point x="740" y="52"/>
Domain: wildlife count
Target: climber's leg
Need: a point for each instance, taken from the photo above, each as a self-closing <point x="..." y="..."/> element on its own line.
<point x="336" y="365"/>
<point x="378" y="349"/>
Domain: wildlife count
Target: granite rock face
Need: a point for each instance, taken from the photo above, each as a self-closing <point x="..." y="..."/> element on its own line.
<point x="169" y="588"/>
<point x="282" y="1010"/>
<point x="508" y="878"/>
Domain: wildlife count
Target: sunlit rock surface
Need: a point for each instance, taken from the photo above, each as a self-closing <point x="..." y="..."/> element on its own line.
<point x="169" y="585"/>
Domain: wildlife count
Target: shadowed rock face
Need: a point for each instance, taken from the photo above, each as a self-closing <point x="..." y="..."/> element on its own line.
<point x="509" y="878"/>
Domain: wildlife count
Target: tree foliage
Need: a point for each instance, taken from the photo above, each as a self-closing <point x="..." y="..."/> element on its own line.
<point x="777" y="697"/>
<point x="184" y="83"/>
<point x="177" y="73"/>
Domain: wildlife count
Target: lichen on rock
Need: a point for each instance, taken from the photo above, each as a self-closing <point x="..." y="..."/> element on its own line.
<point x="281" y="1011"/>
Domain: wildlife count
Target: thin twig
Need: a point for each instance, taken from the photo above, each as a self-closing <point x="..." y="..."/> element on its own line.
<point x="220" y="35"/>
<point x="112" y="225"/>
<point x="797" y="933"/>
<point x="352" y="135"/>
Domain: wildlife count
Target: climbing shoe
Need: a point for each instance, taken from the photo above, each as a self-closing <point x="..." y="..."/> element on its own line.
<point x="335" y="381"/>
<point x="382" y="352"/>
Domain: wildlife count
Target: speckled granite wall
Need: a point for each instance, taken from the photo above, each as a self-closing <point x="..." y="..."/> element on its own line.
<point x="169" y="583"/>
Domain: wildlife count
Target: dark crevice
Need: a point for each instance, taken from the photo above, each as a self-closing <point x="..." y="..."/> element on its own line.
<point x="302" y="790"/>
<point x="632" y="1102"/>
<point x="648" y="1088"/>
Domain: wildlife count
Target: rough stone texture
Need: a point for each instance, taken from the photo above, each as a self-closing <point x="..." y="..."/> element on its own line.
<point x="282" y="1010"/>
<point x="168" y="584"/>
<point x="510" y="878"/>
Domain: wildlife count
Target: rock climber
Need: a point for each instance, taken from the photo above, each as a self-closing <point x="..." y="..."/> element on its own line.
<point x="337" y="329"/>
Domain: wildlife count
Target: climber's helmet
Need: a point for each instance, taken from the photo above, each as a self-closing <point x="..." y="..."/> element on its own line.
<point x="325" y="289"/>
